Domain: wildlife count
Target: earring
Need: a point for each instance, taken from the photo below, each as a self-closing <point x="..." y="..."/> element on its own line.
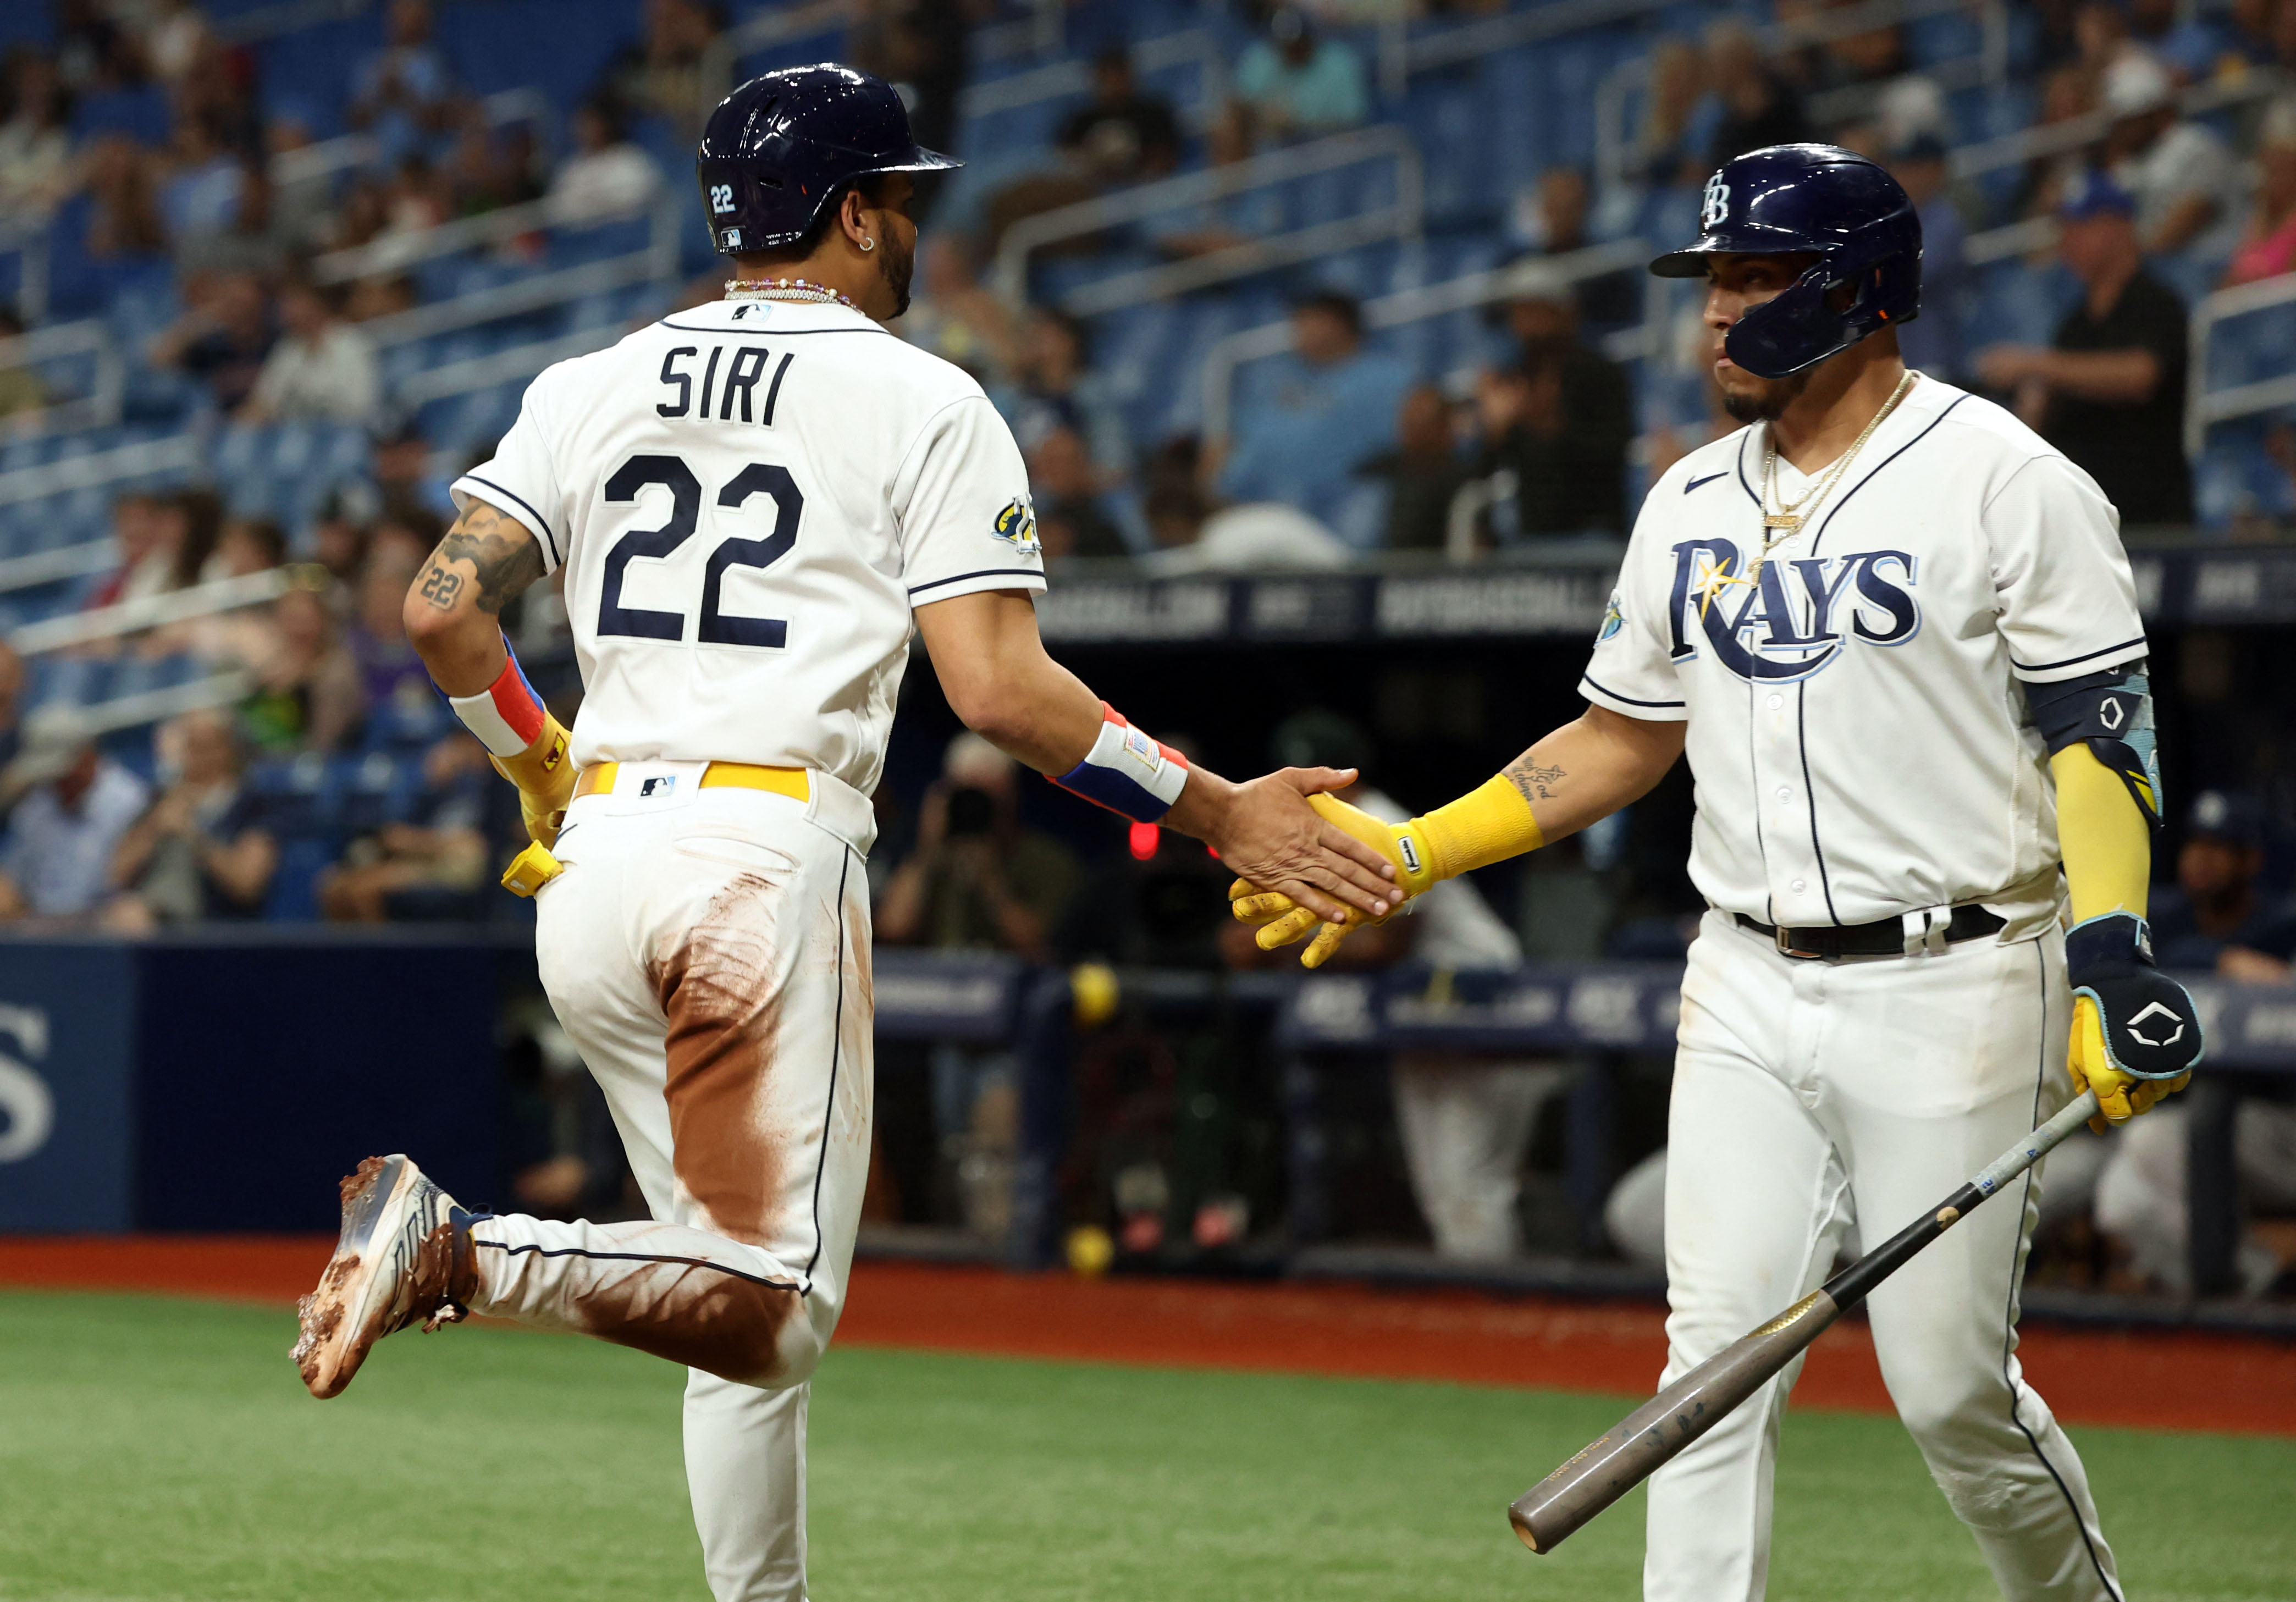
<point x="868" y="244"/>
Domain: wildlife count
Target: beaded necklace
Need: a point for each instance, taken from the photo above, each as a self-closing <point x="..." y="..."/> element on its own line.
<point x="785" y="289"/>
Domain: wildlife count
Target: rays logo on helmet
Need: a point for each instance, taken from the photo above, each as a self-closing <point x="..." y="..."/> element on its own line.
<point x="1016" y="526"/>
<point x="1717" y="205"/>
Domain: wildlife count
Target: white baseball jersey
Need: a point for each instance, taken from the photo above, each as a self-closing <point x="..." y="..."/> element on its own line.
<point x="749" y="498"/>
<point x="1860" y="742"/>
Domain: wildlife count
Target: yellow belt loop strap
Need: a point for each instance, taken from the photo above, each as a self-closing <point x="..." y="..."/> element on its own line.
<point x="530" y="869"/>
<point x="598" y="779"/>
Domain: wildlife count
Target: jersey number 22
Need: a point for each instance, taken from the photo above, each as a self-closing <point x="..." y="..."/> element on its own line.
<point x="715" y="628"/>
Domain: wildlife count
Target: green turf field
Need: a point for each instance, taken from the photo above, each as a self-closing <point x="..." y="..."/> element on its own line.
<point x="158" y="1450"/>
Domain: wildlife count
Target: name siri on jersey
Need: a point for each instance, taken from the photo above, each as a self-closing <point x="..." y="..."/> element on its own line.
<point x="1793" y="615"/>
<point x="742" y="375"/>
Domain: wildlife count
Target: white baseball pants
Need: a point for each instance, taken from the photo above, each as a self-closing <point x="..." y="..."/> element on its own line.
<point x="1811" y="1096"/>
<point x="1464" y="1122"/>
<point x="708" y="951"/>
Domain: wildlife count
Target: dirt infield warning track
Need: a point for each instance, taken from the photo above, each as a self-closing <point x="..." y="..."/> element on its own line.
<point x="2146" y="1378"/>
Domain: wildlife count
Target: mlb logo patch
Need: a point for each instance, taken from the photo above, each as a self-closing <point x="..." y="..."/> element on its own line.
<point x="1016" y="526"/>
<point x="660" y="784"/>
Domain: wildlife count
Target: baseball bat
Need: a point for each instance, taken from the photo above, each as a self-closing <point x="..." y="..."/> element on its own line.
<point x="1606" y="1469"/>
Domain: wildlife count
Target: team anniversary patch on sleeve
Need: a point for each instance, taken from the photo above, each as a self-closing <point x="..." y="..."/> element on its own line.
<point x="1016" y="526"/>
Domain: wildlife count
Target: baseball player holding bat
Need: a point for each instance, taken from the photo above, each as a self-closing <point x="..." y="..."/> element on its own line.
<point x="751" y="503"/>
<point x="1895" y="634"/>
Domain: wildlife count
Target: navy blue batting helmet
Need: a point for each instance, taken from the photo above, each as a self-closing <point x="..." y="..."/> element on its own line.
<point x="787" y="143"/>
<point x="1790" y="199"/>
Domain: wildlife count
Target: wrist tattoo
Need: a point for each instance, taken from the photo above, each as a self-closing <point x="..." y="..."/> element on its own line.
<point x="1537" y="783"/>
<point x="506" y="556"/>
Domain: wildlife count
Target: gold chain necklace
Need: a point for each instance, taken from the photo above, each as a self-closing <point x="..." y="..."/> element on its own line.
<point x="1786" y="522"/>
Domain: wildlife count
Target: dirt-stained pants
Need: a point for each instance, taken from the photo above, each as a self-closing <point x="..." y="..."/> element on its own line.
<point x="708" y="951"/>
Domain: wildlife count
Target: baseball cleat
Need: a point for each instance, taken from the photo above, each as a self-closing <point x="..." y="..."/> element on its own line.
<point x="403" y="1258"/>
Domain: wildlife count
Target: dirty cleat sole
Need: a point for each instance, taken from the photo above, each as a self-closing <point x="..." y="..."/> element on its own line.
<point x="394" y="1263"/>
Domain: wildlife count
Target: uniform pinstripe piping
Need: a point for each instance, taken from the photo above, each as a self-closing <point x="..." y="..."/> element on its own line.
<point x="1589" y="678"/>
<point x="980" y="573"/>
<point x="836" y="1050"/>
<point x="2008" y="1311"/>
<point x="2069" y="661"/>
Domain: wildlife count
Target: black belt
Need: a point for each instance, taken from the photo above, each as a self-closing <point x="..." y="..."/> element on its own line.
<point x="1885" y="938"/>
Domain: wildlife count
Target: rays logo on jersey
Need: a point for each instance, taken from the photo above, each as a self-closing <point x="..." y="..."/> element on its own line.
<point x="1794" y="617"/>
<point x="1613" y="620"/>
<point x="1016" y="526"/>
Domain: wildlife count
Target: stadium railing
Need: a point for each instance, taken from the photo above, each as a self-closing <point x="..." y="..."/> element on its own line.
<point x="96" y="470"/>
<point x="1988" y="65"/>
<point x="150" y="611"/>
<point x="1403" y="54"/>
<point x="1464" y="293"/>
<point x="1401" y="219"/>
<point x="323" y="159"/>
<point x="2056" y="138"/>
<point x="2204" y="407"/>
<point x="284" y="17"/>
<point x="28" y="243"/>
<point x="99" y="404"/>
<point x="1056" y="80"/>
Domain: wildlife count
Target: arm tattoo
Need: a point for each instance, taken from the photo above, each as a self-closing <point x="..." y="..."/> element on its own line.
<point x="1535" y="783"/>
<point x="504" y="553"/>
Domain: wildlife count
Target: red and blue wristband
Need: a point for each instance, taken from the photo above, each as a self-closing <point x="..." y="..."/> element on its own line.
<point x="507" y="716"/>
<point x="1127" y="772"/>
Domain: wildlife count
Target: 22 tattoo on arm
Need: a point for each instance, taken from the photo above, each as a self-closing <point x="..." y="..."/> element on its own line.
<point x="504" y="554"/>
<point x="1537" y="783"/>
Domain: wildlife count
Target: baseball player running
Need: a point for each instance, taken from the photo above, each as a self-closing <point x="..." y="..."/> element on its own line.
<point x="1896" y="634"/>
<point x="750" y="503"/>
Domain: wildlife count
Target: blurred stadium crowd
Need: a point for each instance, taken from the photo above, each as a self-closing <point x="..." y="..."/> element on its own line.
<point x="1259" y="288"/>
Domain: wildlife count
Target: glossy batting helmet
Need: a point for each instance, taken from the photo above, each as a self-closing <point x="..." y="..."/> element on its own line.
<point x="784" y="145"/>
<point x="1818" y="198"/>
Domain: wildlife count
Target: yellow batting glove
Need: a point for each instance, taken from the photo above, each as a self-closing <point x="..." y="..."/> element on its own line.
<point x="2119" y="1096"/>
<point x="544" y="780"/>
<point x="1282" y="921"/>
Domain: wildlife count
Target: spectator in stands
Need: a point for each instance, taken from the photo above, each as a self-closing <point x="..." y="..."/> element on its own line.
<point x="61" y="837"/>
<point x="222" y="339"/>
<point x="1424" y="473"/>
<point x="1758" y="106"/>
<point x="977" y="878"/>
<point x="200" y="194"/>
<point x="247" y="635"/>
<point x="1557" y="227"/>
<point x="389" y="672"/>
<point x="1306" y="420"/>
<point x="1122" y="134"/>
<point x="1259" y="536"/>
<point x="2217" y="915"/>
<point x="1679" y="118"/>
<point x="175" y="37"/>
<point x="199" y="852"/>
<point x="924" y="48"/>
<point x="2110" y="393"/>
<point x="124" y="216"/>
<point x="256" y="239"/>
<point x="339" y="534"/>
<point x="146" y="563"/>
<point x="1300" y="84"/>
<point x="36" y="153"/>
<point x="953" y="317"/>
<point x="1054" y="387"/>
<point x="607" y="176"/>
<point x="307" y="696"/>
<point x="1228" y="220"/>
<point x="11" y="691"/>
<point x="23" y="397"/>
<point x="322" y="370"/>
<point x="433" y="866"/>
<point x="489" y="168"/>
<point x="1065" y="485"/>
<point x="1932" y="342"/>
<point x="1560" y="424"/>
<point x="191" y="527"/>
<point x="403" y="93"/>
<point x="661" y="74"/>
<point x="94" y="53"/>
<point x="2179" y="174"/>
<point x="2268" y="244"/>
